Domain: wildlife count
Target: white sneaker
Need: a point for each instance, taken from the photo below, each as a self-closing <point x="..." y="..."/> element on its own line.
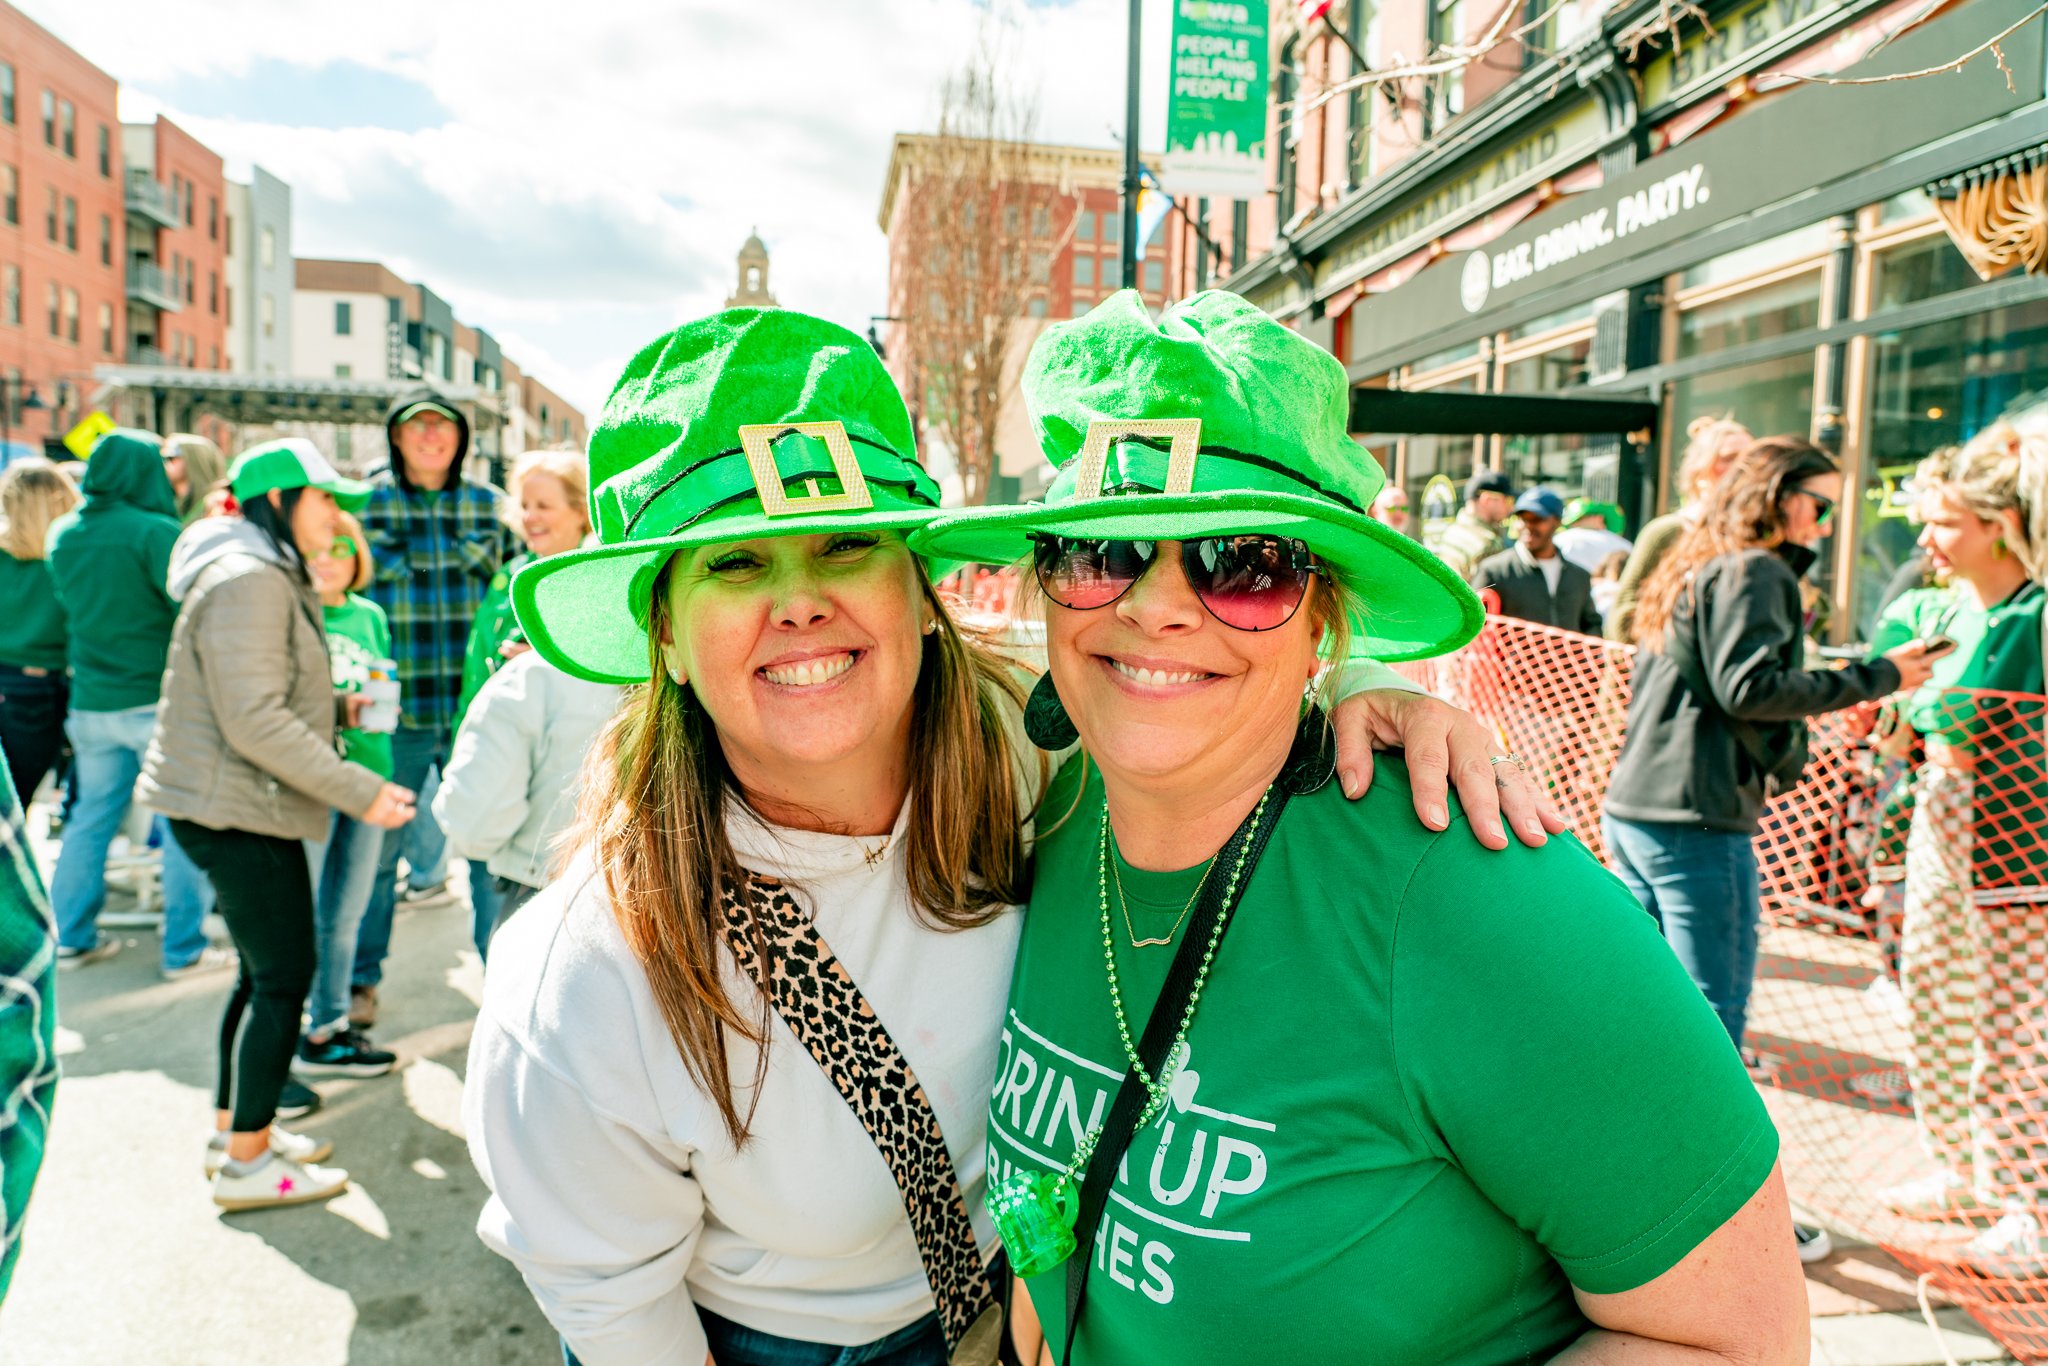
<point x="276" y="1182"/>
<point x="212" y="958"/>
<point x="2012" y="1245"/>
<point x="297" y="1147"/>
<point x="1814" y="1243"/>
<point x="1933" y="1196"/>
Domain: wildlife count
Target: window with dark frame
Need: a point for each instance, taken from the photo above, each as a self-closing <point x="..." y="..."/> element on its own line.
<point x="50" y="216"/>
<point x="70" y="223"/>
<point x="344" y="318"/>
<point x="7" y="92"/>
<point x="106" y="239"/>
<point x="11" y="279"/>
<point x="1358" y="165"/>
<point x="1446" y="19"/>
<point x="106" y="151"/>
<point x="49" y="118"/>
<point x="10" y="194"/>
<point x="55" y="298"/>
<point x="107" y="329"/>
<point x="67" y="129"/>
<point x="213" y="217"/>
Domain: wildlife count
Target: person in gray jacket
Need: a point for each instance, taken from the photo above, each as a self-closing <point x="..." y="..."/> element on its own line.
<point x="516" y="772"/>
<point x="243" y="763"/>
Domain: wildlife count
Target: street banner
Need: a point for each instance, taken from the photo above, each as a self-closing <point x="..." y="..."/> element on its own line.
<point x="1216" y="113"/>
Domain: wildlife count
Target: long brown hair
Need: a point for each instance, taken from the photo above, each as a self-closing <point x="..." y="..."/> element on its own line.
<point x="653" y="816"/>
<point x="1743" y="511"/>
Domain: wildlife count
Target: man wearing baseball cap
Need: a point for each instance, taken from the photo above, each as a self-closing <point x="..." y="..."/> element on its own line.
<point x="437" y="540"/>
<point x="1476" y="533"/>
<point x="1532" y="580"/>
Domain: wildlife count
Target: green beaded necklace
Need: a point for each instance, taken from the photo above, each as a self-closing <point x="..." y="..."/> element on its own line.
<point x="1035" y="1212"/>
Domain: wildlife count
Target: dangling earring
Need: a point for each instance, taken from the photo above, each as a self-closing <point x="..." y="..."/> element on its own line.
<point x="931" y="625"/>
<point x="1998" y="549"/>
<point x="1046" y="722"/>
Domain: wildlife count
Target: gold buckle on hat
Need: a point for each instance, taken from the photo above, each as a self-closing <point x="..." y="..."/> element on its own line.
<point x="758" y="442"/>
<point x="1185" y="434"/>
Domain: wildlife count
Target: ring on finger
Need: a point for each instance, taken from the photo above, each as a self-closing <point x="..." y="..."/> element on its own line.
<point x="1519" y="764"/>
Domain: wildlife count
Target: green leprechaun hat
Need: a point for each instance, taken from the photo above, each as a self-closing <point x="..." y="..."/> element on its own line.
<point x="1213" y="420"/>
<point x="752" y="422"/>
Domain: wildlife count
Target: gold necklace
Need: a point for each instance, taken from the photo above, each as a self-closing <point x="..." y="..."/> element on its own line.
<point x="873" y="857"/>
<point x="1124" y="903"/>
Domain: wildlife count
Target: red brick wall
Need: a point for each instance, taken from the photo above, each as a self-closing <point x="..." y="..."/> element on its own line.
<point x="42" y="63"/>
<point x="196" y="335"/>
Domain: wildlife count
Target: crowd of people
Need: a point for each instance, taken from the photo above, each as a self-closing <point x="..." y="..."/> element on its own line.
<point x="275" y="662"/>
<point x="778" y="867"/>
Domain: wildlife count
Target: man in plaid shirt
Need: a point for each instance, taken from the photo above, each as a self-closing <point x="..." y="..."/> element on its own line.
<point x="437" y="539"/>
<point x="28" y="1024"/>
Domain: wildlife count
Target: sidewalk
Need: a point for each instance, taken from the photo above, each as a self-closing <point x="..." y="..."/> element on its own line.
<point x="1865" y="1313"/>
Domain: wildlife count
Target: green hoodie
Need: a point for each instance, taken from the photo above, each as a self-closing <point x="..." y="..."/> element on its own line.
<point x="110" y="558"/>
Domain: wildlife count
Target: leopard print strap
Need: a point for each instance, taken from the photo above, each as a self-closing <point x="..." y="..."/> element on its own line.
<point x="818" y="1000"/>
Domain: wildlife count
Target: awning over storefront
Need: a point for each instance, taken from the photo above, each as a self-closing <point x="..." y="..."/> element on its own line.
<point x="271" y="399"/>
<point x="1437" y="412"/>
<point x="1997" y="214"/>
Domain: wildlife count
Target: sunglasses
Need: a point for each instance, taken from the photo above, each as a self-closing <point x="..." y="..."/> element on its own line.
<point x="1826" y="514"/>
<point x="1249" y="583"/>
<point x="342" y="549"/>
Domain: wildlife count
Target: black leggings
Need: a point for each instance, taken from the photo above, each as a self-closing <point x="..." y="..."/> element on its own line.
<point x="265" y="893"/>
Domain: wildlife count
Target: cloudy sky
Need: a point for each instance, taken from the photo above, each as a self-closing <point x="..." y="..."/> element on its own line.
<point x="576" y="176"/>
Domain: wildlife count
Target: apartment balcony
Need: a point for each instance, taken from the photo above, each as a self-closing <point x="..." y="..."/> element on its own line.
<point x="151" y="199"/>
<point x="149" y="283"/>
<point x="143" y="354"/>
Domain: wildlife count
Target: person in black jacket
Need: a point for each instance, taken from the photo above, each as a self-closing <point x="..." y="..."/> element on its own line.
<point x="1716" y="725"/>
<point x="1532" y="579"/>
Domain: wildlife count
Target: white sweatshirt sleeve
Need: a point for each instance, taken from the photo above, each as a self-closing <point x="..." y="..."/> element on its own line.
<point x="600" y="1218"/>
<point x="483" y="799"/>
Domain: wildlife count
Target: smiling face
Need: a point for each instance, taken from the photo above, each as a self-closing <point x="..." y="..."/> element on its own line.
<point x="1957" y="539"/>
<point x="1165" y="695"/>
<point x="804" y="650"/>
<point x="426" y="443"/>
<point x="335" y="572"/>
<point x="549" y="519"/>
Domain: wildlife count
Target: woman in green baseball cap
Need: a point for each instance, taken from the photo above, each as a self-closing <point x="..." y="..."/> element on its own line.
<point x="1405" y="1110"/>
<point x="805" y="833"/>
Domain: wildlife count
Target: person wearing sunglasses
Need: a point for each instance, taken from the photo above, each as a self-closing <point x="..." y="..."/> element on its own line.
<point x="1284" y="1076"/>
<point x="731" y="1074"/>
<point x="1717" y="719"/>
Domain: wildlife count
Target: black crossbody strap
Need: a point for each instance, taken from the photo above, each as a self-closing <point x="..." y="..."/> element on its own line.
<point x="1308" y="768"/>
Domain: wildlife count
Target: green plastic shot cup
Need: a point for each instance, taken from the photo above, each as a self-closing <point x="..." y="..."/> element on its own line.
<point x="1035" y="1214"/>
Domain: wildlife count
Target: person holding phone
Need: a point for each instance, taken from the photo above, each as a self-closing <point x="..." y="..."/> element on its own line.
<point x="1984" y="526"/>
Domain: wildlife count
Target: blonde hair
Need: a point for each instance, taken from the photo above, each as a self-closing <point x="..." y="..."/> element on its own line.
<point x="568" y="466"/>
<point x="2000" y="475"/>
<point x="1711" y="445"/>
<point x="34" y="492"/>
<point x="652" y="814"/>
<point x="205" y="466"/>
<point x="366" y="567"/>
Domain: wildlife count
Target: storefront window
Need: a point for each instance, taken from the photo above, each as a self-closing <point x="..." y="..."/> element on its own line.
<point x="1796" y="245"/>
<point x="1934" y="386"/>
<point x="1559" y="462"/>
<point x="1774" y="311"/>
<point x="1536" y="327"/>
<point x="1923" y="269"/>
<point x="1769" y="397"/>
<point x="1467" y="351"/>
<point x="1437" y="467"/>
<point x="1905" y="208"/>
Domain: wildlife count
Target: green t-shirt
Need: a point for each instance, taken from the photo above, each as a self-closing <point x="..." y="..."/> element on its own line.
<point x="357" y="632"/>
<point x="32" y="627"/>
<point x="1998" y="649"/>
<point x="1421" y="1102"/>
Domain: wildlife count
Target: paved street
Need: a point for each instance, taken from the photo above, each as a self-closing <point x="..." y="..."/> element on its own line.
<point x="126" y="1259"/>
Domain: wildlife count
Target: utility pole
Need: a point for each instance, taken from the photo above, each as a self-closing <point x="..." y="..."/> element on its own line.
<point x="1132" y="247"/>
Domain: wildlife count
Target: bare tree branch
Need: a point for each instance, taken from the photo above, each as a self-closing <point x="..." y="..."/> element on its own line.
<point x="1990" y="45"/>
<point x="966" y="260"/>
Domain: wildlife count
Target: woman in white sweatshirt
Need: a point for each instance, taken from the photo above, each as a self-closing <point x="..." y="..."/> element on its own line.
<point x="730" y="1079"/>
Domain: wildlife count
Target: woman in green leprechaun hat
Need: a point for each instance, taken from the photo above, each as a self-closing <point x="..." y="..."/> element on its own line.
<point x="1404" y="1110"/>
<point x="730" y="1079"/>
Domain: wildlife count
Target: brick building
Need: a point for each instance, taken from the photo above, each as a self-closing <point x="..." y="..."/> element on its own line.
<point x="1070" y="224"/>
<point x="1605" y="207"/>
<point x="61" y="232"/>
<point x="177" y="249"/>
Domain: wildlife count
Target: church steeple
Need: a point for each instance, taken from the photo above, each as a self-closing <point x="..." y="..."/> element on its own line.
<point x="753" y="276"/>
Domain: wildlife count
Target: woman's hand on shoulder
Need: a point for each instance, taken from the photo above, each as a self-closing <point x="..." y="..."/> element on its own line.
<point x="1443" y="745"/>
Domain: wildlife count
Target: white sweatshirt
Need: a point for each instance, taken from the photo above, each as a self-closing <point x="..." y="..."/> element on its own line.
<point x="614" y="1189"/>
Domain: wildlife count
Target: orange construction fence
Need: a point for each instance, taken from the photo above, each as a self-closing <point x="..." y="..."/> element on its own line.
<point x="1901" y="1001"/>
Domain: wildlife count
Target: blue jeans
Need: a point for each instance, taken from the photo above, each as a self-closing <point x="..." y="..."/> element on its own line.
<point x="414" y="753"/>
<point x="1701" y="888"/>
<point x="426" y="846"/>
<point x="483" y="905"/>
<point x="107" y="749"/>
<point x="921" y="1344"/>
<point x="344" y="869"/>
